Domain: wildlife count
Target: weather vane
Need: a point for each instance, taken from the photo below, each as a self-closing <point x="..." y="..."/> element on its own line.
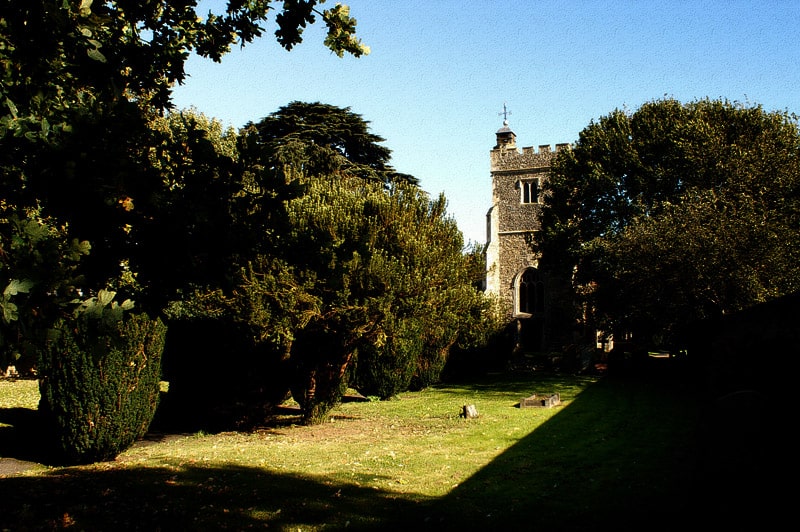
<point x="504" y="114"/>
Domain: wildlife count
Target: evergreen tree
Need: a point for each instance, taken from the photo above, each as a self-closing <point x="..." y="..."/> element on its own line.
<point x="328" y="132"/>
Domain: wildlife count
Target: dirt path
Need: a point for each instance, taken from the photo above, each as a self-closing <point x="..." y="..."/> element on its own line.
<point x="12" y="466"/>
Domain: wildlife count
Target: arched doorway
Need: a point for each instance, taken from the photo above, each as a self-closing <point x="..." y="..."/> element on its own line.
<point x="529" y="309"/>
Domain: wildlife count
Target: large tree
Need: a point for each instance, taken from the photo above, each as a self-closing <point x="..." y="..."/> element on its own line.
<point x="333" y="131"/>
<point x="81" y="83"/>
<point x="226" y="195"/>
<point x="371" y="288"/>
<point x="342" y="276"/>
<point x="674" y="213"/>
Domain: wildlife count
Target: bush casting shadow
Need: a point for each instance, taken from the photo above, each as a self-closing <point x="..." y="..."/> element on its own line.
<point x="190" y="497"/>
<point x="24" y="439"/>
<point x="643" y="453"/>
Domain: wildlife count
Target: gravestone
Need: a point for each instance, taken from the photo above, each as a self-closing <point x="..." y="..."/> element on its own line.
<point x="540" y="401"/>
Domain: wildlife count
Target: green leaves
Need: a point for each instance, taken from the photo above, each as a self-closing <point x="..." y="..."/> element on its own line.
<point x="85" y="8"/>
<point x="38" y="268"/>
<point x="676" y="212"/>
<point x="94" y="52"/>
<point x="341" y="32"/>
<point x="10" y="311"/>
<point x="102" y="307"/>
<point x="341" y="26"/>
<point x="292" y="20"/>
<point x="16" y="286"/>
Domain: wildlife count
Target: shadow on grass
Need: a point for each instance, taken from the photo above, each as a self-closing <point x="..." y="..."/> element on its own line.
<point x="190" y="497"/>
<point x="520" y="384"/>
<point x="628" y="453"/>
<point x="23" y="438"/>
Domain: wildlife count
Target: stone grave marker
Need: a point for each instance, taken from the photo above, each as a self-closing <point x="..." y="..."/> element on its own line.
<point x="540" y="401"/>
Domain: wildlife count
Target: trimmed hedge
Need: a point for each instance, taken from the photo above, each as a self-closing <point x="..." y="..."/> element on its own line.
<point x="100" y="384"/>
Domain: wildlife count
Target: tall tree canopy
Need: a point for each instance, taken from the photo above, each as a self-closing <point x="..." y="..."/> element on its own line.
<point x="370" y="287"/>
<point x="57" y="53"/>
<point x="676" y="212"/>
<point x="336" y="273"/>
<point x="333" y="131"/>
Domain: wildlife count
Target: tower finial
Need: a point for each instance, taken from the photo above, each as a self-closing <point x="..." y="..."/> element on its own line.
<point x="505" y="114"/>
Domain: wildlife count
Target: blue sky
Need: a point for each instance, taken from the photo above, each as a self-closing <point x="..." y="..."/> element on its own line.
<point x="441" y="70"/>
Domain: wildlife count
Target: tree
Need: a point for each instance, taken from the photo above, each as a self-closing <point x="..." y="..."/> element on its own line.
<point x="129" y="49"/>
<point x="674" y="213"/>
<point x="38" y="274"/>
<point x="371" y="288"/>
<point x="225" y="228"/>
<point x="190" y="235"/>
<point x="364" y="280"/>
<point x="81" y="84"/>
<point x="732" y="253"/>
<point x="331" y="131"/>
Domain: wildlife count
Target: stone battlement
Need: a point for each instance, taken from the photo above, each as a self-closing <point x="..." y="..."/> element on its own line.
<point x="527" y="158"/>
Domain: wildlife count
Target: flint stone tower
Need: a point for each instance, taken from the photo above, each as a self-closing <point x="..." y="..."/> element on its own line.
<point x="511" y="266"/>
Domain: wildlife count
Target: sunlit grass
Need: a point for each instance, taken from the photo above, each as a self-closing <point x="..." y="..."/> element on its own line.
<point x="417" y="443"/>
<point x="411" y="460"/>
<point x="22" y="393"/>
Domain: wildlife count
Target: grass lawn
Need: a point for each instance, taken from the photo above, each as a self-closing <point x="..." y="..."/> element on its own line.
<point x="617" y="454"/>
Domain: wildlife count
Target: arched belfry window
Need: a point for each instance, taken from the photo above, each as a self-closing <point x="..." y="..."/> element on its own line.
<point x="530" y="292"/>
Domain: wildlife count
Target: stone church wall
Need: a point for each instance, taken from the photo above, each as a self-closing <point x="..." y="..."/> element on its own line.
<point x="513" y="222"/>
<point x="516" y="216"/>
<point x="516" y="256"/>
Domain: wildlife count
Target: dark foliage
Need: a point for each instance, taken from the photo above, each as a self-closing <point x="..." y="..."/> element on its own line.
<point x="99" y="384"/>
<point x="387" y="369"/>
<point x="336" y="132"/>
<point x="319" y="363"/>
<point x="218" y="378"/>
<point x="672" y="214"/>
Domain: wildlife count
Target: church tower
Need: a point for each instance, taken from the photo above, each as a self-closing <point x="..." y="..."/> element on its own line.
<point x="512" y="272"/>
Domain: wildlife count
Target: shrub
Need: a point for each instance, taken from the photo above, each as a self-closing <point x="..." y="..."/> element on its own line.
<point x="386" y="368"/>
<point x="99" y="382"/>
<point x="218" y="377"/>
<point x="430" y="366"/>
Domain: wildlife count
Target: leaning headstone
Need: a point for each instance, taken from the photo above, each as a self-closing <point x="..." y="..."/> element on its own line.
<point x="469" y="412"/>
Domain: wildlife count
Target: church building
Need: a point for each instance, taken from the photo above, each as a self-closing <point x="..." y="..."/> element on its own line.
<point x="512" y="273"/>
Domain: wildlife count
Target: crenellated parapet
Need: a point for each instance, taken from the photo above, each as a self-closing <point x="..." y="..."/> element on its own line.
<point x="519" y="184"/>
<point x="529" y="158"/>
